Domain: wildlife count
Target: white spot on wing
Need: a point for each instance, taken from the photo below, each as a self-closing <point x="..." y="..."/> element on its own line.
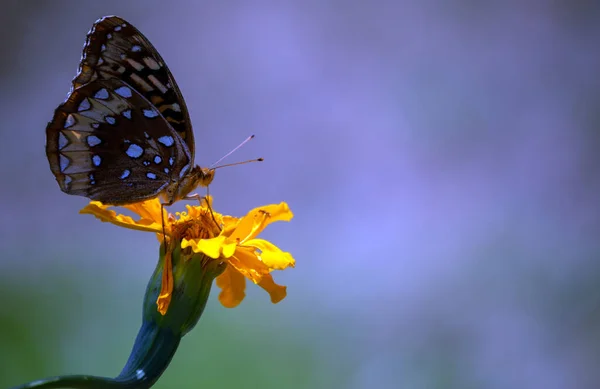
<point x="103" y="47"/>
<point x="151" y="63"/>
<point x="150" y="113"/>
<point x="166" y="140"/>
<point x="175" y="107"/>
<point x="96" y="160"/>
<point x="157" y="159"/>
<point x="84" y="105"/>
<point x="118" y="28"/>
<point x="95" y="125"/>
<point x="127" y="114"/>
<point x="93" y="140"/>
<point x="123" y="91"/>
<point x="171" y="161"/>
<point x="110" y="119"/>
<point x="64" y="163"/>
<point x="136" y="65"/>
<point x="92" y="179"/>
<point x="62" y="141"/>
<point x="139" y="373"/>
<point x="134" y="151"/>
<point x="70" y="121"/>
<point x="141" y="83"/>
<point x="125" y="174"/>
<point x="146" y="163"/>
<point x="151" y="176"/>
<point x="136" y="48"/>
<point x="101" y="94"/>
<point x="158" y="84"/>
<point x="166" y="170"/>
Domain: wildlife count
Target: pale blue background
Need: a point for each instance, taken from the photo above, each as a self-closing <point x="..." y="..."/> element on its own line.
<point x="441" y="158"/>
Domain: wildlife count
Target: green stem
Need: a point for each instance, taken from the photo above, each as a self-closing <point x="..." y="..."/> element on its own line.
<point x="159" y="335"/>
<point x="151" y="354"/>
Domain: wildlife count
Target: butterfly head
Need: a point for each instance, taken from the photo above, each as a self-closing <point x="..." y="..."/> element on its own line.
<point x="179" y="189"/>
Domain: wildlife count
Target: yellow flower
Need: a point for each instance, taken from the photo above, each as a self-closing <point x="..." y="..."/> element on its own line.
<point x="221" y="238"/>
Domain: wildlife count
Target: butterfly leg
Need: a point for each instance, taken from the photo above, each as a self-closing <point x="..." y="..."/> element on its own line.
<point x="196" y="196"/>
<point x="210" y="208"/>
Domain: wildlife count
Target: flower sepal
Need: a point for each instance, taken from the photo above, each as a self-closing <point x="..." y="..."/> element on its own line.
<point x="179" y="288"/>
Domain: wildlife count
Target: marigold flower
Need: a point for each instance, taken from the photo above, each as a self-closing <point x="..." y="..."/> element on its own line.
<point x="221" y="238"/>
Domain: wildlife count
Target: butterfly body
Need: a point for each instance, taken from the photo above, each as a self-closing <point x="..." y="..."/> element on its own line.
<point x="180" y="189"/>
<point x="124" y="134"/>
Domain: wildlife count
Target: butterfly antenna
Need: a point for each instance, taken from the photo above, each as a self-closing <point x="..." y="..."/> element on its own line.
<point x="248" y="139"/>
<point x="239" y="163"/>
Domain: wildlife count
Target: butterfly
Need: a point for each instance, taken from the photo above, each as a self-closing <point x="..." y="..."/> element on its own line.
<point x="123" y="134"/>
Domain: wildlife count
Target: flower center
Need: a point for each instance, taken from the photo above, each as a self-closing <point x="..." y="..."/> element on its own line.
<point x="203" y="226"/>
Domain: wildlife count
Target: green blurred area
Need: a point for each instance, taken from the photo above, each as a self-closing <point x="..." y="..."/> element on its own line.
<point x="61" y="324"/>
<point x="81" y="317"/>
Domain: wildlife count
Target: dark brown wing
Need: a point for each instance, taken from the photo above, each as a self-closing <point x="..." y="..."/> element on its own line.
<point x="108" y="143"/>
<point x="115" y="48"/>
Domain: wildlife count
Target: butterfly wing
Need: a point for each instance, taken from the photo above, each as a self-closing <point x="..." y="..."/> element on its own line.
<point x="107" y="142"/>
<point x="115" y="48"/>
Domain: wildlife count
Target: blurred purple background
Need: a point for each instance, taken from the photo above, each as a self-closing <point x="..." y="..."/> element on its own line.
<point x="441" y="159"/>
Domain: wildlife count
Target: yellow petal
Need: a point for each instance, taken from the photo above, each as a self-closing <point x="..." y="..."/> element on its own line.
<point x="232" y="286"/>
<point x="278" y="212"/>
<point x="214" y="248"/>
<point x="149" y="209"/>
<point x="257" y="219"/>
<point x="230" y="223"/>
<point x="246" y="262"/>
<point x="277" y="292"/>
<point x="101" y="212"/>
<point x="271" y="255"/>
